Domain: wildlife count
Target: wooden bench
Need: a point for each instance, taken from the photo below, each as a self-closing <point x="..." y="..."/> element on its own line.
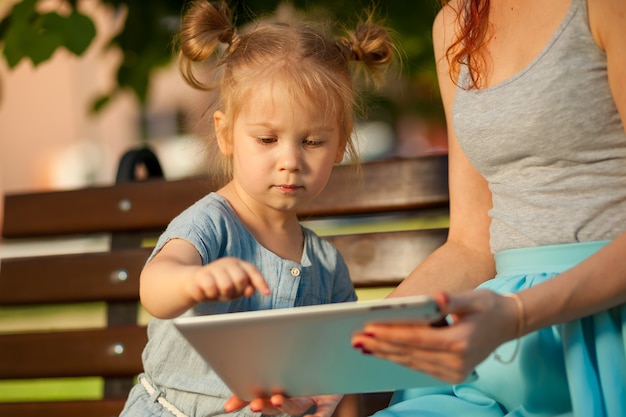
<point x="129" y="216"/>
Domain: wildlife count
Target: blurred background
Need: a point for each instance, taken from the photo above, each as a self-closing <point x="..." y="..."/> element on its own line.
<point x="83" y="81"/>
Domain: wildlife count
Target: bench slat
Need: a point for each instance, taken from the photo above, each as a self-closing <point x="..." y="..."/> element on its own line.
<point x="374" y="259"/>
<point x="382" y="186"/>
<point x="96" y="408"/>
<point x="111" y="276"/>
<point x="123" y="207"/>
<point x="73" y="354"/>
<point x="384" y="259"/>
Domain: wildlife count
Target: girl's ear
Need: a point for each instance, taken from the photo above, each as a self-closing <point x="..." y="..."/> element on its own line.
<point x="340" y="153"/>
<point x="223" y="139"/>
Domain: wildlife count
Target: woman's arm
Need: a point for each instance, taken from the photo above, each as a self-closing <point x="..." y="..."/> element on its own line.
<point x="465" y="260"/>
<point x="594" y="285"/>
<point x="575" y="293"/>
<point x="599" y="282"/>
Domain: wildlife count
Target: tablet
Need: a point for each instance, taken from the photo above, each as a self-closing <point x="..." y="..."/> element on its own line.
<point x="304" y="351"/>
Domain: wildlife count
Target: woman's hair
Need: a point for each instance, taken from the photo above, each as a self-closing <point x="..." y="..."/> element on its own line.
<point x="472" y="18"/>
<point x="314" y="67"/>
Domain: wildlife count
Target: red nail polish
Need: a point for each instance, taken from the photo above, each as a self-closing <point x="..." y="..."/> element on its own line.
<point x="369" y="334"/>
<point x="357" y="345"/>
<point x="445" y="297"/>
<point x="365" y="351"/>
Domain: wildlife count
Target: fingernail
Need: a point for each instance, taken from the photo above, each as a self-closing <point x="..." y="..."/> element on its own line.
<point x="357" y="345"/>
<point x="369" y="334"/>
<point x="445" y="297"/>
<point x="365" y="351"/>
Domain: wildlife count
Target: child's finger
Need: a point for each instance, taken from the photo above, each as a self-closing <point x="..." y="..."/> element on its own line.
<point x="256" y="279"/>
<point x="234" y="404"/>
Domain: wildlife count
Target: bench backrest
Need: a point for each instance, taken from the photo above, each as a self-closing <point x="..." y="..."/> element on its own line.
<point x="130" y="215"/>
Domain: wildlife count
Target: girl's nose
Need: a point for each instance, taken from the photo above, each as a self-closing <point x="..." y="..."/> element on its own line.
<point x="290" y="158"/>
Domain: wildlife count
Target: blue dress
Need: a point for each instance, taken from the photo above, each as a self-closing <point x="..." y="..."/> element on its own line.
<point x="573" y="369"/>
<point x="175" y="377"/>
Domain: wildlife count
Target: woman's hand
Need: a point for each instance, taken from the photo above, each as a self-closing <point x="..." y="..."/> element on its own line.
<point x="481" y="321"/>
<point x="321" y="406"/>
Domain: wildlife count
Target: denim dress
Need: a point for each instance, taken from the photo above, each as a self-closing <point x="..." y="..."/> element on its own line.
<point x="176" y="380"/>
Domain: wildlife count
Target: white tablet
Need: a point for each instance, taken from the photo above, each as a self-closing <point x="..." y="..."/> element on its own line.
<point x="305" y="351"/>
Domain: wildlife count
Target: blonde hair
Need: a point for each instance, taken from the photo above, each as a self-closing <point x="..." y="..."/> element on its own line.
<point x="314" y="66"/>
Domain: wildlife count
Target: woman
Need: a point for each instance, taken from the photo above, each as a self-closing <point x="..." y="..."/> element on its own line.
<point x="538" y="199"/>
<point x="535" y="96"/>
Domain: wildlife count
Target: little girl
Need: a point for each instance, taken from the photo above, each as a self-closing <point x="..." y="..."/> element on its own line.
<point x="284" y="116"/>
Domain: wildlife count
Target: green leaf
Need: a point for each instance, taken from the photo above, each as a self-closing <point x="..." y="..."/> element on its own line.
<point x="41" y="50"/>
<point x="25" y="41"/>
<point x="29" y="41"/>
<point x="16" y="31"/>
<point x="13" y="50"/>
<point x="4" y="25"/>
<point x="24" y="10"/>
<point x="76" y="31"/>
<point x="27" y="34"/>
<point x="82" y="33"/>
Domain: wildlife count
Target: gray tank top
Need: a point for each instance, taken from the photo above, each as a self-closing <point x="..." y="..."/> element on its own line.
<point x="550" y="143"/>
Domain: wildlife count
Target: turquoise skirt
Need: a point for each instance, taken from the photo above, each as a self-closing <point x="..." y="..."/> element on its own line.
<point x="572" y="369"/>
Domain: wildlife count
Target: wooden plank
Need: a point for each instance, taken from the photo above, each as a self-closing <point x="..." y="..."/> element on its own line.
<point x="73" y="354"/>
<point x="141" y="205"/>
<point x="374" y="259"/>
<point x="110" y="276"/>
<point x="381" y="186"/>
<point x="385" y="259"/>
<point x="96" y="408"/>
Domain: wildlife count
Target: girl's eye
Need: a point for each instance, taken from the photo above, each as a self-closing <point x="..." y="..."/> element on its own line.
<point x="312" y="142"/>
<point x="266" y="140"/>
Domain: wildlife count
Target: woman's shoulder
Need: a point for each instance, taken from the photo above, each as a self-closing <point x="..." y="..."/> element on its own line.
<point x="444" y="28"/>
<point x="606" y="19"/>
<point x="448" y="14"/>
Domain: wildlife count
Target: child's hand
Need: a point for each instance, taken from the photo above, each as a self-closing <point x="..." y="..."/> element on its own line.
<point x="279" y="404"/>
<point x="226" y="279"/>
